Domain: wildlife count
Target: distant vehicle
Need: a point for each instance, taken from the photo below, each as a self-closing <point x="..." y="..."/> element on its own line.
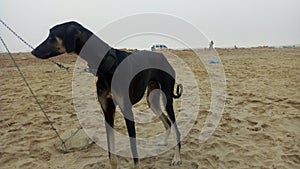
<point x="158" y="46"/>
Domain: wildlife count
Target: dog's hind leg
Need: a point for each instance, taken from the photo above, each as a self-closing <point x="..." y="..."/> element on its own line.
<point x="167" y="88"/>
<point x="108" y="108"/>
<point x="153" y="100"/>
<point x="169" y="108"/>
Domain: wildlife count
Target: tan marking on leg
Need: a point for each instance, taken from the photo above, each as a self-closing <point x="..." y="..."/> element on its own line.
<point x="109" y="95"/>
<point x="103" y="101"/>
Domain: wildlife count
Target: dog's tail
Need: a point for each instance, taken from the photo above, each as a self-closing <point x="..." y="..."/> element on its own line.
<point x="179" y="91"/>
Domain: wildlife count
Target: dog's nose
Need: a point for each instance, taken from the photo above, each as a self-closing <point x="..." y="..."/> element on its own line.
<point x="33" y="52"/>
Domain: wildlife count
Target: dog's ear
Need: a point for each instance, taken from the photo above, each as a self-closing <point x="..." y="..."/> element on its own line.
<point x="70" y="38"/>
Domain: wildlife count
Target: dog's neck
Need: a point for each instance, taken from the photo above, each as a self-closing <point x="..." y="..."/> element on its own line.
<point x="93" y="50"/>
<point x="82" y="40"/>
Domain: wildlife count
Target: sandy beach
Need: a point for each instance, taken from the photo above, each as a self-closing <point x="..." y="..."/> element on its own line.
<point x="260" y="126"/>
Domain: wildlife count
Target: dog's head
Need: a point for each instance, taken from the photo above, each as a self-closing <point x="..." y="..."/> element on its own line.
<point x="64" y="38"/>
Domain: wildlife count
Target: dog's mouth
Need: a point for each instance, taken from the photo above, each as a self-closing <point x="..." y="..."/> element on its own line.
<point x="39" y="55"/>
<point x="45" y="55"/>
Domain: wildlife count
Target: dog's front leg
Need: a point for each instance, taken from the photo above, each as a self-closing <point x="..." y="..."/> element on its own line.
<point x="110" y="135"/>
<point x="111" y="145"/>
<point x="108" y="108"/>
<point x="128" y="115"/>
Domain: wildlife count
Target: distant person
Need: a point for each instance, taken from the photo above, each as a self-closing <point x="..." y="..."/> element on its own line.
<point x="211" y="45"/>
<point x="235" y="47"/>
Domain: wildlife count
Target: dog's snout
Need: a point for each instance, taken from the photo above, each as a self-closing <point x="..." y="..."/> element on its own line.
<point x="37" y="53"/>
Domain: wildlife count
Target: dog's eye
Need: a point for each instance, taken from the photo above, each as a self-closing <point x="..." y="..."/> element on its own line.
<point x="51" y="38"/>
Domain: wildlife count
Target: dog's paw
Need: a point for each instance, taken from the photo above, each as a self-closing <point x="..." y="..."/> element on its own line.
<point x="137" y="166"/>
<point x="113" y="162"/>
<point x="176" y="161"/>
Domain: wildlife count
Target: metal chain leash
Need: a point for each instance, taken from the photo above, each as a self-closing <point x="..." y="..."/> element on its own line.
<point x="30" y="89"/>
<point x="16" y="34"/>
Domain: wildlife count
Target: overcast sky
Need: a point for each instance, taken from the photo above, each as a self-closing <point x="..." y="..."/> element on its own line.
<point x="227" y="22"/>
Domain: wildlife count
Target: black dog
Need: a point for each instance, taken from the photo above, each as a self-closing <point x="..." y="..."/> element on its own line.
<point x="72" y="37"/>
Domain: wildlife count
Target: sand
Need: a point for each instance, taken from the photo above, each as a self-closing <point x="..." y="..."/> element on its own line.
<point x="259" y="128"/>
